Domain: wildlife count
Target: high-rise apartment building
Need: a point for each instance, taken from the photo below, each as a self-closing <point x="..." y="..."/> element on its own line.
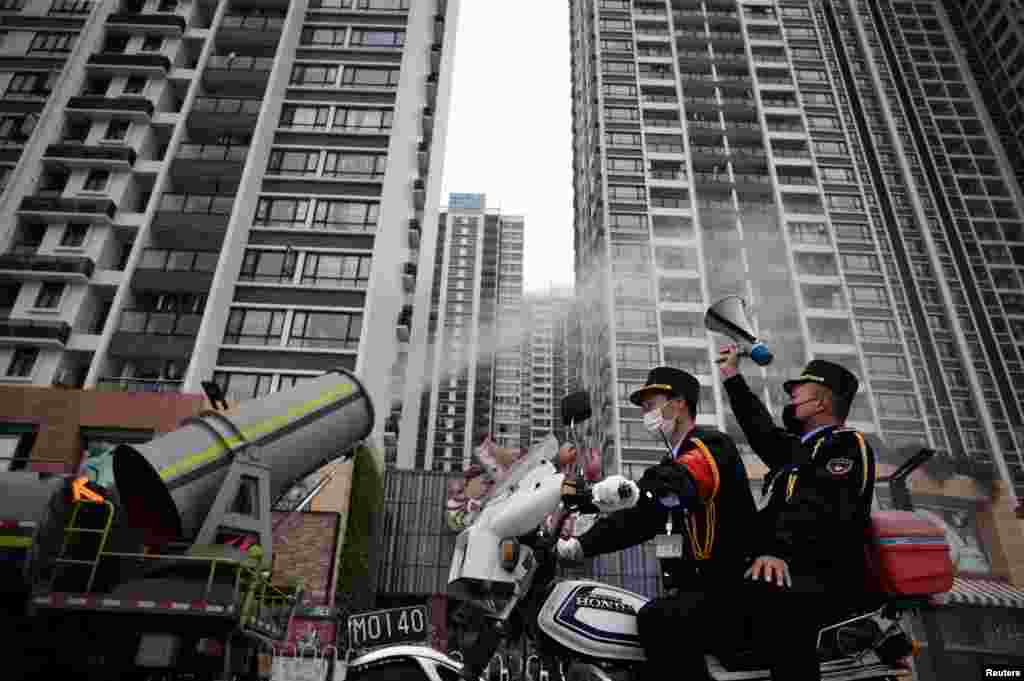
<point x="992" y="31"/>
<point x="465" y="373"/>
<point x="547" y="319"/>
<point x="833" y="163"/>
<point x="232" y="189"/>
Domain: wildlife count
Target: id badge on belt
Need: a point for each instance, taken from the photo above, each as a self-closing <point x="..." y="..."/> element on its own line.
<point x="668" y="545"/>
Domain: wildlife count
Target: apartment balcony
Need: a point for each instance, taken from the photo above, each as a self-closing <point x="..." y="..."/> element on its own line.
<point x="154" y="24"/>
<point x="404" y="325"/>
<point x="435" y="57"/>
<point x="77" y="155"/>
<point x="70" y="8"/>
<point x="225" y="113"/>
<point x="239" y="73"/>
<point x="138" y="109"/>
<point x="18" y="331"/>
<point x="138" y="385"/>
<point x="142" y="64"/>
<point x="210" y="159"/>
<point x="409" y="271"/>
<point x="148" y="333"/>
<point x="249" y="31"/>
<point x="427" y="122"/>
<point x="56" y="208"/>
<point x="175" y="270"/>
<point x="415" y="231"/>
<point x="423" y="157"/>
<point x="46" y="267"/>
<point x="419" y="194"/>
<point x="431" y="88"/>
<point x="192" y="221"/>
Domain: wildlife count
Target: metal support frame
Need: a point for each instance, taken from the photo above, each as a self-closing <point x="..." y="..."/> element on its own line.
<point x="245" y="463"/>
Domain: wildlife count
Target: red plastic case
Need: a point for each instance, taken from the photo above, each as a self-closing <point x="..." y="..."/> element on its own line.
<point x="908" y="555"/>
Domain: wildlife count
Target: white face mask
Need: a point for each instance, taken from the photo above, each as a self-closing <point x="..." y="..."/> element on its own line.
<point x="655" y="423"/>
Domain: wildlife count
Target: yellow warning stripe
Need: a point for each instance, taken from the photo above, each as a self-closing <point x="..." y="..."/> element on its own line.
<point x="216" y="450"/>
<point x="9" y="542"/>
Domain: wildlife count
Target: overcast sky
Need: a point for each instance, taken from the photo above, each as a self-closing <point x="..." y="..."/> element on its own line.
<point x="509" y="133"/>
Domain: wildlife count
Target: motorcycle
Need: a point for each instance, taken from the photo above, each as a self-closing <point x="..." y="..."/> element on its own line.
<point x="504" y="570"/>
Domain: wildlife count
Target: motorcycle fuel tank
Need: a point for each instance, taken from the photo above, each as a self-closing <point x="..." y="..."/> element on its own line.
<point x="594" y="620"/>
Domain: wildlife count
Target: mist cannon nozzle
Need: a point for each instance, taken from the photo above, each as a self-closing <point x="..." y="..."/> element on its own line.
<point x="729" y="317"/>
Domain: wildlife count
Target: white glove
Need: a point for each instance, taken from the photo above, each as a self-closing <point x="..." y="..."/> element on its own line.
<point x="569" y="550"/>
<point x="607" y="497"/>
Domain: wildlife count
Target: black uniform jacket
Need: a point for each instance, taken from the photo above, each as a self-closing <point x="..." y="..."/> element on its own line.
<point x="820" y="492"/>
<point x="733" y="517"/>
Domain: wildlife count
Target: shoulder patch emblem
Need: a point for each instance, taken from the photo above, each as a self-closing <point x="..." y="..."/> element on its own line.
<point x="840" y="466"/>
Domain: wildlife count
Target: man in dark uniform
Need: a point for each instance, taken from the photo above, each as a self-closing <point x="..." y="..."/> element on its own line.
<point x="697" y="506"/>
<point x="820" y="485"/>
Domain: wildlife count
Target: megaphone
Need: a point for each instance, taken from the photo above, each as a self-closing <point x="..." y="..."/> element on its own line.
<point x="729" y="316"/>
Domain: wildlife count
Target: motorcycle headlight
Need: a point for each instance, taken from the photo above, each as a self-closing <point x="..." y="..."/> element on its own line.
<point x="509" y="552"/>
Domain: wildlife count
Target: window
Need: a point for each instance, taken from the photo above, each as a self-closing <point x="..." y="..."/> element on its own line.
<point x="31" y="84"/>
<point x="831" y="148"/>
<point x="811" y="76"/>
<point x="135" y="85"/>
<point x="288" y="213"/>
<point x="328" y="330"/>
<point x="347" y="216"/>
<point x="49" y="296"/>
<point x="336" y="270"/>
<point x="117" y="130"/>
<point x="383" y="4"/>
<point x="248" y="326"/>
<point x="293" y="162"/>
<point x="809" y="233"/>
<point x="16" y="439"/>
<point x="74" y="234"/>
<point x="363" y="120"/>
<point x="238" y="386"/>
<point x="350" y="164"/>
<point x="51" y="42"/>
<point x="869" y="296"/>
<point x="370" y="76"/>
<point x="268" y="266"/>
<point x="152" y="43"/>
<point x="844" y="203"/>
<point x="309" y="117"/>
<point x="329" y="37"/>
<point x="375" y="38"/>
<point x="313" y="74"/>
<point x="96" y="180"/>
<point x="22" y="362"/>
<point x="860" y="262"/>
<point x="816" y="264"/>
<point x="837" y="174"/>
<point x="16" y="129"/>
<point x="167" y="6"/>
<point x="682" y="324"/>
<point x="877" y="330"/>
<point x="675" y="257"/>
<point x="823" y="122"/>
<point x="883" y="366"/>
<point x="5" y="176"/>
<point x="891" y="405"/>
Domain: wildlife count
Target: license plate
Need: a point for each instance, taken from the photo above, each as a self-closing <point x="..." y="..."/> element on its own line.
<point x="386" y="627"/>
<point x="668" y="546"/>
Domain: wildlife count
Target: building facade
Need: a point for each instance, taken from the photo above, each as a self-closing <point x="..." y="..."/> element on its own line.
<point x="992" y="32"/>
<point x="465" y="365"/>
<point x="547" y="368"/>
<point x="813" y="159"/>
<point x="834" y="163"/>
<point x="227" y="190"/>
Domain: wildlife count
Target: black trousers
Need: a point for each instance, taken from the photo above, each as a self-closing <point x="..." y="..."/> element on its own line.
<point x="678" y="630"/>
<point x="785" y="623"/>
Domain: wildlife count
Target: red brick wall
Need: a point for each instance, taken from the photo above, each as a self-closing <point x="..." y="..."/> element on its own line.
<point x="304" y="546"/>
<point x="59" y="415"/>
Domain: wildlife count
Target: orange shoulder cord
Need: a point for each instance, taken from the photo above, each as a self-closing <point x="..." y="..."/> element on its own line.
<point x="709" y="467"/>
<point x="81" y="492"/>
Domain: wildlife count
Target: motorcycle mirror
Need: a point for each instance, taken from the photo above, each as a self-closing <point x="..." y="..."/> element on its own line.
<point x="575" y="408"/>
